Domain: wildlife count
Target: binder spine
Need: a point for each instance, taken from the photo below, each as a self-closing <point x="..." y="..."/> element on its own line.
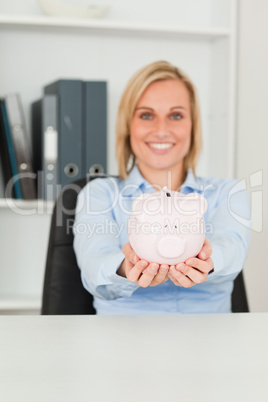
<point x="50" y="146"/>
<point x="95" y="131"/>
<point x="45" y="145"/>
<point x="70" y="128"/>
<point x="12" y="183"/>
<point x="21" y="145"/>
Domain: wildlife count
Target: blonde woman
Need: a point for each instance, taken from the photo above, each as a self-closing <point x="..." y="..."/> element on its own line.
<point x="158" y="143"/>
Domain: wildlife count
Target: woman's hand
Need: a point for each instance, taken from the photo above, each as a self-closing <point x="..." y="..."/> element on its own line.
<point x="141" y="271"/>
<point x="194" y="270"/>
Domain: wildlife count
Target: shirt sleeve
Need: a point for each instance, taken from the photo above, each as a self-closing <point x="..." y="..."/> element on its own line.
<point x="228" y="229"/>
<point x="97" y="247"/>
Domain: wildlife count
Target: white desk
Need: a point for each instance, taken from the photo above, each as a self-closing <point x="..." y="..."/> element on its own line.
<point x="184" y="358"/>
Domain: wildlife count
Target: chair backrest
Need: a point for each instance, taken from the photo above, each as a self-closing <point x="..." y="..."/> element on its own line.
<point x="63" y="292"/>
<point x="239" y="295"/>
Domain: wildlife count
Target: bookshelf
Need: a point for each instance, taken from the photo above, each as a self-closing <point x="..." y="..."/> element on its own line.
<point x="199" y="36"/>
<point x="115" y="27"/>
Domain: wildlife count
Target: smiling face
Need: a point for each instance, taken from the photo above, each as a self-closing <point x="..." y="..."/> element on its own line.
<point x="160" y="131"/>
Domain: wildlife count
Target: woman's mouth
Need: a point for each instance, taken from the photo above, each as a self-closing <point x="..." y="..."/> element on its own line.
<point x="160" y="146"/>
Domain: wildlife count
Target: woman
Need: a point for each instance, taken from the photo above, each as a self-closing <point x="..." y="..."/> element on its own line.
<point x="158" y="142"/>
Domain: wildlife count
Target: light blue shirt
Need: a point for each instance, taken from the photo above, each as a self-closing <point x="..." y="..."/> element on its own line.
<point x="100" y="231"/>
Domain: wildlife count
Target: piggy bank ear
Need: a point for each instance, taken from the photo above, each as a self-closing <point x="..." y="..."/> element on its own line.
<point x="194" y="204"/>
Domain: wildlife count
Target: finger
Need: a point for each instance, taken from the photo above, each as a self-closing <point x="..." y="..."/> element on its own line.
<point x="194" y="274"/>
<point x="133" y="274"/>
<point x="130" y="253"/>
<point x="161" y="276"/>
<point x="171" y="277"/>
<point x="206" y="250"/>
<point x="148" y="275"/>
<point x="180" y="277"/>
<point x="203" y="266"/>
<point x="126" y="248"/>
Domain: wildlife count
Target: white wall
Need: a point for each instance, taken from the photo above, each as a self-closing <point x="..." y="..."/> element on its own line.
<point x="252" y="143"/>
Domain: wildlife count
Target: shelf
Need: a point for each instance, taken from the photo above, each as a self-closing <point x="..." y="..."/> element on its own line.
<point x="112" y="26"/>
<point x="28" y="207"/>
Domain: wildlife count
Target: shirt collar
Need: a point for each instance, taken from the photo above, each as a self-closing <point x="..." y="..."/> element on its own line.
<point x="136" y="184"/>
<point x="191" y="183"/>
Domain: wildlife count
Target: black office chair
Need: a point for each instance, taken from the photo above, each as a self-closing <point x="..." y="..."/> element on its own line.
<point x="63" y="292"/>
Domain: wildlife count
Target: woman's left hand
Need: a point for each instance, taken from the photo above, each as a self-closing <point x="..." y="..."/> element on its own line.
<point x="194" y="270"/>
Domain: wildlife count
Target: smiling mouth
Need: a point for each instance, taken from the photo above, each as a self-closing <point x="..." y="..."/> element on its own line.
<point x="160" y="145"/>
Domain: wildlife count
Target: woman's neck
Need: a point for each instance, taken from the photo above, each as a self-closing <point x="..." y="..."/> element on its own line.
<point x="172" y="178"/>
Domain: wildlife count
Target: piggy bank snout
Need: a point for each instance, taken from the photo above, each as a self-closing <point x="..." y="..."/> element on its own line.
<point x="171" y="247"/>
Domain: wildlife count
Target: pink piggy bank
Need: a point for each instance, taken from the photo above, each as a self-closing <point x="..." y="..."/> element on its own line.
<point x="166" y="226"/>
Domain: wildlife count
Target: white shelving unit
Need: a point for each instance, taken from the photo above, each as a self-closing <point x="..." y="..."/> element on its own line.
<point x="24" y="237"/>
<point x="114" y="26"/>
<point x="199" y="36"/>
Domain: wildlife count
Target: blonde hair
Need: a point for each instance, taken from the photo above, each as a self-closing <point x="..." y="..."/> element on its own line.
<point x="160" y="70"/>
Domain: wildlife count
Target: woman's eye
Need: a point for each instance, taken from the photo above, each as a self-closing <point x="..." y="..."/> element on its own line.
<point x="146" y="116"/>
<point x="176" y="116"/>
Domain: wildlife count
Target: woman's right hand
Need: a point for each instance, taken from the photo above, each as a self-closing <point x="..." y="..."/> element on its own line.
<point x="141" y="271"/>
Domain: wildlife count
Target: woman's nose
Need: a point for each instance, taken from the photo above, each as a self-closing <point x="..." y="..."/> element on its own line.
<point x="161" y="128"/>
